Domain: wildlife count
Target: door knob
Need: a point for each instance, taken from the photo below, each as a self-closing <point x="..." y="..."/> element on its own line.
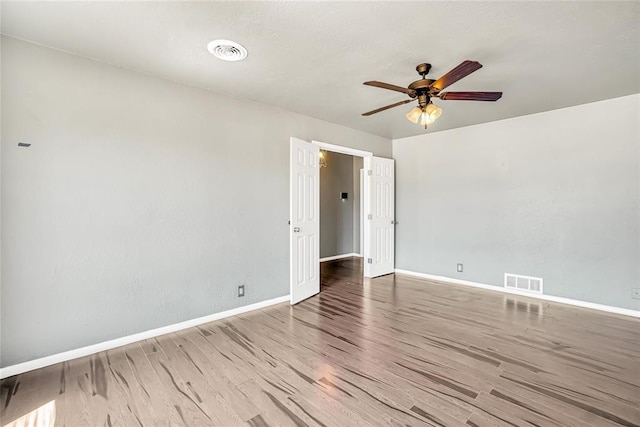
<point x="393" y="222"/>
<point x="296" y="229"/>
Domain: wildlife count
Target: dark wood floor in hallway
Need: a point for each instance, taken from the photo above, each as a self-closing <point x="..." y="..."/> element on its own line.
<point x="392" y="351"/>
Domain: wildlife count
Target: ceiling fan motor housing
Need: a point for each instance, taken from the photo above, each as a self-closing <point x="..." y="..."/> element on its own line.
<point x="422" y="86"/>
<point x="423" y="90"/>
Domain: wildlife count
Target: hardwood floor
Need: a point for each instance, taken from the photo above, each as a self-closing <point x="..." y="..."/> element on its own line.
<point x="393" y="351"/>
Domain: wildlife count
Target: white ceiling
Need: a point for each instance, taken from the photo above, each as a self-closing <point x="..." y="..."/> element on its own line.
<point x="312" y="57"/>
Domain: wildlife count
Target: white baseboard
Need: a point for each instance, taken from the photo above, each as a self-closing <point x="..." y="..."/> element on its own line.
<point x="107" y="345"/>
<point x="331" y="258"/>
<point x="584" y="304"/>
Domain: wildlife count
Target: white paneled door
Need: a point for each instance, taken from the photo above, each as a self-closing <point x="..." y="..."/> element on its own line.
<point x="305" y="220"/>
<point x="380" y="222"/>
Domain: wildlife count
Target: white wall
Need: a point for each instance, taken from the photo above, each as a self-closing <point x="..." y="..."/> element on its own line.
<point x="553" y="195"/>
<point x="141" y="202"/>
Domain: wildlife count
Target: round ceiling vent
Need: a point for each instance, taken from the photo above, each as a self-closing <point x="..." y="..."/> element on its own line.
<point x="227" y="50"/>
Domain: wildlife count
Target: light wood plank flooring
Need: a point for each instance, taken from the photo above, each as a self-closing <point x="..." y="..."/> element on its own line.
<point x="393" y="351"/>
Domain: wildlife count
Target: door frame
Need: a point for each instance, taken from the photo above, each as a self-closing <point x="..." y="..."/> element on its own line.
<point x="361" y="251"/>
<point x="356" y="153"/>
<point x="343" y="150"/>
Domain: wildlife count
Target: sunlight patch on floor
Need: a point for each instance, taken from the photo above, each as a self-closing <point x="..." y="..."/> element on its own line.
<point x="44" y="416"/>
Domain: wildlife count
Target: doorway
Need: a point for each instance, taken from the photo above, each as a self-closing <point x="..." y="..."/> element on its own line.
<point x="340" y="216"/>
<point x="340" y="206"/>
<point x="304" y="195"/>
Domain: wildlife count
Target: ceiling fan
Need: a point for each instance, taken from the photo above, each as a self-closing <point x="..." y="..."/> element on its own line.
<point x="424" y="89"/>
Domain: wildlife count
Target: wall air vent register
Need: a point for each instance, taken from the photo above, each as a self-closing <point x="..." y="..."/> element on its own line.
<point x="523" y="283"/>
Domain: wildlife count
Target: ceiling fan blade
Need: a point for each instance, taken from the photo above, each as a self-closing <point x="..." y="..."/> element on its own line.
<point x="470" y="96"/>
<point x="368" y="113"/>
<point x="410" y="92"/>
<point x="463" y="70"/>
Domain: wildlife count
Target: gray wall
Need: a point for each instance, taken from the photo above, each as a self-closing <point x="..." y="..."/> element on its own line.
<point x="338" y="229"/>
<point x="141" y="202"/>
<point x="552" y="195"/>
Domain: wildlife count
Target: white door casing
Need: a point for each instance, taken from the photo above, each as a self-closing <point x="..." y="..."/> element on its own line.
<point x="362" y="210"/>
<point x="304" y="229"/>
<point x="379" y="200"/>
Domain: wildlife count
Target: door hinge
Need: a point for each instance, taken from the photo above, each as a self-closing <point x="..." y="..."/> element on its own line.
<point x="369" y="261"/>
<point x="370" y="172"/>
<point x="370" y="216"/>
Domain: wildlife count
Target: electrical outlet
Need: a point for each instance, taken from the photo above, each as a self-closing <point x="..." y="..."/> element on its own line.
<point x="241" y="291"/>
<point x="460" y="268"/>
<point x="635" y="293"/>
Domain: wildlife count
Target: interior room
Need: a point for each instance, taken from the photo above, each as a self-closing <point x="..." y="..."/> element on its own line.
<point x="320" y="213"/>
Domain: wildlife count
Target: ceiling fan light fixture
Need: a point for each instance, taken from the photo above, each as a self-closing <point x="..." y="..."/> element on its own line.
<point x="425" y="119"/>
<point x="424" y="115"/>
<point x="433" y="111"/>
<point x="414" y="115"/>
<point x="429" y="114"/>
